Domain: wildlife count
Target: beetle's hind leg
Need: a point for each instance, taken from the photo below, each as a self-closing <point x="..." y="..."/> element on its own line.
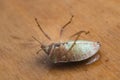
<point x="61" y="31"/>
<point x="78" y="35"/>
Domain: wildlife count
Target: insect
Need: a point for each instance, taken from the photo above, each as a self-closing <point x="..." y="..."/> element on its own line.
<point x="70" y="51"/>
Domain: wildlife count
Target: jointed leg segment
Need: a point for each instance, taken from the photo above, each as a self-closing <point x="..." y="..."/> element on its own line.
<point x="42" y="29"/>
<point x="66" y="25"/>
<point x="78" y="35"/>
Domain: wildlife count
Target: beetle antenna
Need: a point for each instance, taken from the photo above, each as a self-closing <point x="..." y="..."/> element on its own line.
<point x="38" y="51"/>
<point x="36" y="40"/>
<point x="61" y="31"/>
<point x="78" y="35"/>
<point x="42" y="29"/>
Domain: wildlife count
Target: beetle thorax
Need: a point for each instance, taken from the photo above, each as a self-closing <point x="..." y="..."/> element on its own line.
<point x="50" y="48"/>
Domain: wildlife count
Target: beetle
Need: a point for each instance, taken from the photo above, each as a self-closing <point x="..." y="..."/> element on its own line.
<point x="70" y="51"/>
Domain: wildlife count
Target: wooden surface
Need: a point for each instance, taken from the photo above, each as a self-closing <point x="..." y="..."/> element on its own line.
<point x="18" y="58"/>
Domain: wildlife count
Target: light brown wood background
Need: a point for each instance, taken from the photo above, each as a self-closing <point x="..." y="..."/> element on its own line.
<point x="18" y="58"/>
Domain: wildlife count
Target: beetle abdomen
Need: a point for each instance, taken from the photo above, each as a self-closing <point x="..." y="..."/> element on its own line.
<point x="81" y="50"/>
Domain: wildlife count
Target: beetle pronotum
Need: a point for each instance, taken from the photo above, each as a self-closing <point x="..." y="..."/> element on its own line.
<point x="70" y="51"/>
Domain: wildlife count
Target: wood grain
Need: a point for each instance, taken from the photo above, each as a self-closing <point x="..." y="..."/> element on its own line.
<point x="18" y="58"/>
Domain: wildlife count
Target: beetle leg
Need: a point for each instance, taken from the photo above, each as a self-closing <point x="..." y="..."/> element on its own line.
<point x="38" y="51"/>
<point x="79" y="33"/>
<point x="42" y="29"/>
<point x="66" y="25"/>
<point x="74" y="43"/>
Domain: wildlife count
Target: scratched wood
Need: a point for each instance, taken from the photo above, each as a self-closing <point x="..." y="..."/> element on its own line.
<point x="18" y="58"/>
